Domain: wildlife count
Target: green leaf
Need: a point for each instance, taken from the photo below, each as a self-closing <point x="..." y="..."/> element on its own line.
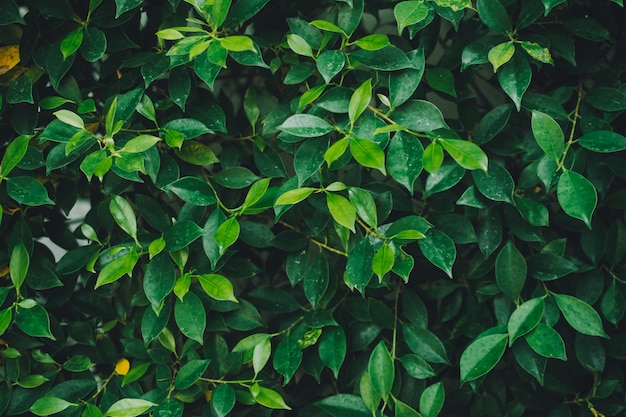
<point x="227" y="234"/>
<point x="217" y="287"/>
<point x="493" y="14"/>
<point x="193" y="152"/>
<point x="34" y="321"/>
<point x="341" y="210"/>
<point x="190" y="373"/>
<point x="328" y="27"/>
<point x="432" y="158"/>
<point x="140" y="144"/>
<point x="72" y="42"/>
<point x="117" y="268"/>
<point x="417" y="367"/>
<point x="191" y="317"/>
<point x="482" y="355"/>
<point x="603" y="141"/>
<point x="124" y="215"/>
<point x="193" y="190"/>
<point x="548" y="134"/>
<point x="268" y="397"/>
<point x="465" y="153"/>
<point x="372" y="42"/>
<point x="128" y="407"/>
<point x="501" y="54"/>
<point x="242" y="11"/>
<point x="344" y="405"/>
<point x="409" y="13"/>
<point x="404" y="159"/>
<point x="315" y="281"/>
<point x="219" y="12"/>
<point x="294" y="196"/>
<point x="580" y="315"/>
<point x="383" y="261"/>
<point x="360" y="100"/>
<point x="305" y="126"/>
<point x="260" y="355"/>
<point x="441" y="79"/>
<point x="419" y="116"/>
<point x="439" y="249"/>
<point x="359" y="265"/>
<point x="27" y="191"/>
<point x="332" y="348"/>
<point x="510" y="271"/>
<point x="309" y="158"/>
<point x="299" y="45"/>
<point x="496" y="185"/>
<point x="613" y="304"/>
<point x="431" y="400"/>
<point x="45" y="406"/>
<point x="94" y="44"/>
<point x="181" y="235"/>
<point x="514" y="77"/>
<point x="6" y="318"/>
<point x="32" y="381"/>
<point x="158" y="280"/>
<point x="370" y="397"/>
<point x="425" y="344"/>
<point x="350" y="14"/>
<point x="330" y="63"/>
<point x="525" y="318"/>
<point x="381" y="370"/>
<point x="532" y="211"/>
<point x="287" y="358"/>
<point x="19" y="262"/>
<point x="404" y="410"/>
<point x="389" y="58"/>
<point x="223" y="400"/>
<point x="577" y="196"/>
<point x="237" y="43"/>
<point x="364" y="204"/>
<point x="13" y="154"/>
<point x="368" y="154"/>
<point x="547" y="342"/>
<point x="537" y="52"/>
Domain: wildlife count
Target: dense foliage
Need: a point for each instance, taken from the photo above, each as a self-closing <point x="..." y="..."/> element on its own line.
<point x="345" y="208"/>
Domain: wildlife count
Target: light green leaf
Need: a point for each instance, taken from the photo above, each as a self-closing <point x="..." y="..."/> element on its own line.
<point x="373" y="42"/>
<point x="70" y="118"/>
<point x="45" y="406"/>
<point x="268" y="397"/>
<point x="328" y="27"/>
<point x="360" y="100"/>
<point x="128" y="407"/>
<point x="219" y="12"/>
<point x="432" y="158"/>
<point x="117" y="268"/>
<point x="501" y="54"/>
<point x="124" y="215"/>
<point x="294" y="196"/>
<point x="537" y="52"/>
<point x="19" y="263"/>
<point x="237" y="43"/>
<point x="227" y="234"/>
<point x="71" y="43"/>
<point x="368" y="154"/>
<point x="364" y="205"/>
<point x="217" y="286"/>
<point x="383" y="261"/>
<point x="341" y="210"/>
<point x="13" y="154"/>
<point x="140" y="144"/>
<point x="299" y="45"/>
<point x="465" y="153"/>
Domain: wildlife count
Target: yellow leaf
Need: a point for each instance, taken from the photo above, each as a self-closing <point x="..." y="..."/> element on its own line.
<point x="9" y="57"/>
<point x="122" y="366"/>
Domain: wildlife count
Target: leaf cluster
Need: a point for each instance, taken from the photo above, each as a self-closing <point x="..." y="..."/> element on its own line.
<point x="344" y="208"/>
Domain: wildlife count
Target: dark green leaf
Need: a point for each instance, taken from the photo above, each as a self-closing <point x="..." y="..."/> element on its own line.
<point x="439" y="249"/>
<point x="510" y="271"/>
<point x="580" y="315"/>
<point x="496" y="185"/>
<point x="34" y="321"/>
<point x="548" y="134"/>
<point x="191" y="317"/>
<point x="359" y="266"/>
<point x="316" y="280"/>
<point x="547" y="342"/>
<point x="420" y="116"/>
<point x="190" y="372"/>
<point x="193" y="190"/>
<point x="381" y="370"/>
<point x="525" y="318"/>
<point x="603" y="141"/>
<point x="514" y="76"/>
<point x="305" y="126"/>
<point x="27" y="191"/>
<point x="493" y="14"/>
<point x="344" y="405"/>
<point x="159" y="278"/>
<point x="223" y="400"/>
<point x="431" y="400"/>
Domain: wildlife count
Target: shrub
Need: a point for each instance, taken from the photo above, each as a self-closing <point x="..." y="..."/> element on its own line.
<point x="345" y="208"/>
